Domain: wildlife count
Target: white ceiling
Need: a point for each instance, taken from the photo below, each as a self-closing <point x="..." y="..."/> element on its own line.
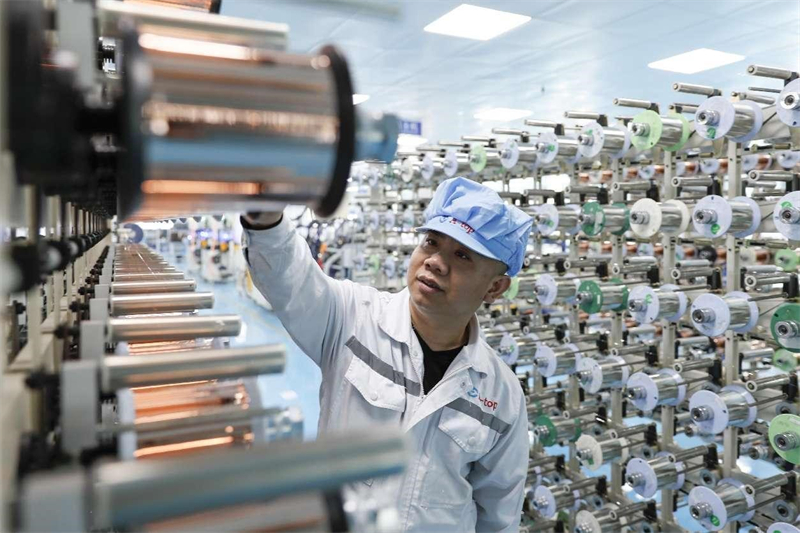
<point x="573" y="54"/>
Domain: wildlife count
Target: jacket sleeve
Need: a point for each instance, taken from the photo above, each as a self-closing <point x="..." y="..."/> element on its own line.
<point x="316" y="310"/>
<point x="498" y="479"/>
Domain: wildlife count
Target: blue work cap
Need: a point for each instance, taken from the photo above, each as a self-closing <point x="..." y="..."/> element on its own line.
<point x="478" y="218"/>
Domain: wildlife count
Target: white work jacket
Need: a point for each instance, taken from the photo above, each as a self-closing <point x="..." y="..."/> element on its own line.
<point x="469" y="433"/>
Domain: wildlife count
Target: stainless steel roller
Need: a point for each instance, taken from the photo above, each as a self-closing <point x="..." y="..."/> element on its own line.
<point x="232" y="127"/>
<point x="132" y="492"/>
<point x="147" y="276"/>
<point x="160" y="303"/>
<point x="147" y="287"/>
<point x="172" y="328"/>
<point x="159" y="369"/>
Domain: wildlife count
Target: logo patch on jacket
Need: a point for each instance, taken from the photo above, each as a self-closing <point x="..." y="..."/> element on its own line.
<point x="492" y="404"/>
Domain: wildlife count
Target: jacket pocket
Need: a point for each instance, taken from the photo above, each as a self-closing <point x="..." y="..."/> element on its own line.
<point x="459" y="441"/>
<point x="468" y="433"/>
<point x="375" y="389"/>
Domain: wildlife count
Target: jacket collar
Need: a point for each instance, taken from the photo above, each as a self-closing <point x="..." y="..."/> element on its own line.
<point x="395" y="321"/>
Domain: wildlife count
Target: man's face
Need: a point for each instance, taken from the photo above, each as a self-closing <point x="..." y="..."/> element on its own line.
<point x="447" y="278"/>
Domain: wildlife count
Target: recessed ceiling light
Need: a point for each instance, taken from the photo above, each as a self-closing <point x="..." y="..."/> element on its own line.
<point x="410" y="141"/>
<point x="360" y="98"/>
<point x="473" y="22"/>
<point x="502" y="114"/>
<point x="695" y="61"/>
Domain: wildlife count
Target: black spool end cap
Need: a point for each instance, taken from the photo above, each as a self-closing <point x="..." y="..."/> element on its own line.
<point x="346" y="146"/>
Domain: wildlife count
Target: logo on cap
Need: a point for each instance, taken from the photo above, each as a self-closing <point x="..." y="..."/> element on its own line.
<point x="463" y="225"/>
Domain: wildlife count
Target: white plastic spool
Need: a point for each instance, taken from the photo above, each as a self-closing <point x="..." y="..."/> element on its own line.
<point x="650" y="303"/>
<point x="718" y="407"/>
<point x="713" y="315"/>
<point x="716" y="117"/>
<point x="741" y="216"/>
<point x="647" y="217"/>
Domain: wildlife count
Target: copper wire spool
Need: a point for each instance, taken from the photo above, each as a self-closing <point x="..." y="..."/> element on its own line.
<point x="631" y="173"/>
<point x="583" y="246"/>
<point x="185" y="400"/>
<point x="605" y="247"/>
<point x="688" y="251"/>
<point x="763" y="162"/>
<point x="605" y="176"/>
<point x="691" y="168"/>
<point x="630" y="247"/>
<point x="658" y="249"/>
<point x="583" y="177"/>
<point x="206" y="6"/>
<point x="722" y="253"/>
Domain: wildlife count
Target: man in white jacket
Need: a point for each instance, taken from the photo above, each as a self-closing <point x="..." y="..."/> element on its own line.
<point x="416" y="359"/>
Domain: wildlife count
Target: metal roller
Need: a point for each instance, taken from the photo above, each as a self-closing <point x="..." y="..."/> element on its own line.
<point x="648" y="391"/>
<point x="717" y="117"/>
<point x="131" y="493"/>
<point x="550" y="290"/>
<point x="203" y="27"/>
<point x="665" y="471"/>
<point x="181" y="302"/>
<point x="595" y="140"/>
<point x="714" y="216"/>
<point x="648" y="217"/>
<point x="731" y="501"/>
<point x="732" y="406"/>
<point x="172" y="328"/>
<point x="550" y="218"/>
<point x="147" y="276"/>
<point x="596" y="218"/>
<point x="649" y="130"/>
<point x="595" y="375"/>
<point x="146" y="287"/>
<point x="648" y="305"/>
<point x="143" y="371"/>
<point x="238" y="128"/>
<point x="594" y="297"/>
<point x="713" y="315"/>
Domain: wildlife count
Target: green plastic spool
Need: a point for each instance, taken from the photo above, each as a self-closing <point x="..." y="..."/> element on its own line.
<point x="653" y="121"/>
<point x="787" y="260"/>
<point x="512" y="290"/>
<point x="685" y="132"/>
<point x="477" y="158"/>
<point x="552" y="433"/>
<point x="593" y="229"/>
<point x="597" y="303"/>
<point x="374" y="263"/>
<point x="785" y="360"/>
<point x="785" y="312"/>
<point x="785" y="424"/>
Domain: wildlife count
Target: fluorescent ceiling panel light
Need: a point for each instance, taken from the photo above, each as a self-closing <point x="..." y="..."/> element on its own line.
<point x="473" y="22"/>
<point x="502" y="114"/>
<point x="360" y="98"/>
<point x="695" y="61"/>
<point x="410" y="141"/>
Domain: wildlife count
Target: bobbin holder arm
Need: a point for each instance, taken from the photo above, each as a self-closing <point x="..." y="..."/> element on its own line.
<point x="640" y="104"/>
<point x="522" y="134"/>
<point x="600" y="118"/>
<point x="772" y="72"/>
<point x="691" y="88"/>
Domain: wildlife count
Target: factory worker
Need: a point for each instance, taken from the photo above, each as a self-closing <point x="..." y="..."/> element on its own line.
<point x="416" y="359"/>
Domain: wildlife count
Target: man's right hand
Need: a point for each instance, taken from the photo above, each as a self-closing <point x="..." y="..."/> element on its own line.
<point x="263" y="220"/>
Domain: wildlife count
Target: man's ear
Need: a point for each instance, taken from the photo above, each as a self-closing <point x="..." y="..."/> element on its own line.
<point x="497" y="288"/>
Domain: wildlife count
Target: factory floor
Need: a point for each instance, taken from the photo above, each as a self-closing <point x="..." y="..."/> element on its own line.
<point x="299" y="384"/>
